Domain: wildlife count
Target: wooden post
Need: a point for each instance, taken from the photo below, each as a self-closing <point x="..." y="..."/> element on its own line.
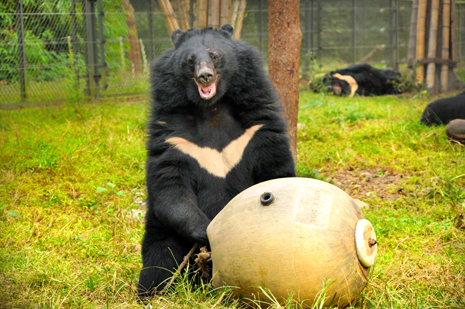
<point x="133" y="39"/>
<point x="445" y="43"/>
<point x="234" y="10"/>
<point x="432" y="43"/>
<point x="239" y="19"/>
<point x="440" y="61"/>
<point x="225" y="10"/>
<point x="285" y="38"/>
<point x="181" y="10"/>
<point x="214" y="13"/>
<point x="420" y="39"/>
<point x="202" y="14"/>
<point x="453" y="26"/>
<point x="168" y="13"/>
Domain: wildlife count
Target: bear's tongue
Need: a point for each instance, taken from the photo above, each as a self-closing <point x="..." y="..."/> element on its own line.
<point x="207" y="92"/>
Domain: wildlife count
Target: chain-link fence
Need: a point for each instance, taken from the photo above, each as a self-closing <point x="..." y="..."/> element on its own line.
<point x="68" y="50"/>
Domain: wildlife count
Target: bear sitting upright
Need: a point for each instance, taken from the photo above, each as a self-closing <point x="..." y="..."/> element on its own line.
<point x="216" y="128"/>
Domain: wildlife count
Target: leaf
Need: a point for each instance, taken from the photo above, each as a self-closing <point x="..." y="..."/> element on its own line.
<point x="111" y="185"/>
<point x="120" y="193"/>
<point x="100" y="190"/>
<point x="13" y="213"/>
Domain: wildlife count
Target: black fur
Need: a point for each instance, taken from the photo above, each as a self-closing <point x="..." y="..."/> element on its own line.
<point x="371" y="81"/>
<point x="443" y="111"/>
<point x="183" y="197"/>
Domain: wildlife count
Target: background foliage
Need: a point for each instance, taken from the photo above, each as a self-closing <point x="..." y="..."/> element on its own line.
<point x="336" y="33"/>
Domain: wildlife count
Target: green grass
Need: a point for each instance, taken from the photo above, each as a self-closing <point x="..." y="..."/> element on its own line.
<point x="72" y="182"/>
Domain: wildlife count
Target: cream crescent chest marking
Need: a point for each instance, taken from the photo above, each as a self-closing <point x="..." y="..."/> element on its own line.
<point x="218" y="163"/>
<point x="350" y="80"/>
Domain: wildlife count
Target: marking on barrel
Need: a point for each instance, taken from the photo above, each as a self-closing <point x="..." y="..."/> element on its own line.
<point x="315" y="206"/>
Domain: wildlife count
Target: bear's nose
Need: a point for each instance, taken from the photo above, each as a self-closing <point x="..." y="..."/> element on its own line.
<point x="205" y="76"/>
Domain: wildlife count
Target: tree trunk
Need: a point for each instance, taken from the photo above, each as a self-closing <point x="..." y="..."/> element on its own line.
<point x="285" y="38"/>
<point x="133" y="39"/>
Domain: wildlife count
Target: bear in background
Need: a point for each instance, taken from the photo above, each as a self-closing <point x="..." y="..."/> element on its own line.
<point x="215" y="129"/>
<point x="442" y="111"/>
<point x="362" y="79"/>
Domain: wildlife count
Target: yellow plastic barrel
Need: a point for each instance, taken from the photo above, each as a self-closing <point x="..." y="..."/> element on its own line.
<point x="292" y="236"/>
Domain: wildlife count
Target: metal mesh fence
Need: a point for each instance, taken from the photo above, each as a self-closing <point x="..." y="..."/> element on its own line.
<point x="68" y="50"/>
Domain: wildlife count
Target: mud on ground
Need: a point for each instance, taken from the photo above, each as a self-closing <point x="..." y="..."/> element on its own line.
<point x="362" y="183"/>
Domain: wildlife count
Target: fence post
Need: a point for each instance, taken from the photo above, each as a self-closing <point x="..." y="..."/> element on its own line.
<point x="307" y="36"/>
<point x="91" y="51"/>
<point x="21" y="50"/>
<point x="260" y="24"/>
<point x="102" y="41"/>
<point x="354" y="7"/>
<point x="459" y="35"/>
<point x="151" y="34"/>
<point x="191" y="14"/>
<point x="74" y="39"/>
<point x="393" y="32"/>
<point x="318" y="39"/>
<point x="311" y="25"/>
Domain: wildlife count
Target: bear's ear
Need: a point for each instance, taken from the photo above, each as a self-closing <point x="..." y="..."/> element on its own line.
<point x="227" y="30"/>
<point x="176" y="37"/>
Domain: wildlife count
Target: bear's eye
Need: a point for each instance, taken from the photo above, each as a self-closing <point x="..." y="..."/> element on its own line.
<point x="191" y="60"/>
<point x="214" y="56"/>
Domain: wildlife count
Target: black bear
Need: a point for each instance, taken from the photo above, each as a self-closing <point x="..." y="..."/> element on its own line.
<point x="362" y="79"/>
<point x="216" y="128"/>
<point x="443" y="111"/>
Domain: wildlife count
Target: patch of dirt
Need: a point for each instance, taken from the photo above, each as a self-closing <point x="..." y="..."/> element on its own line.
<point x="359" y="184"/>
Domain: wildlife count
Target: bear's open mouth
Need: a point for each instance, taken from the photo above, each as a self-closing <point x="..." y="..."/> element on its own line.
<point x="207" y="91"/>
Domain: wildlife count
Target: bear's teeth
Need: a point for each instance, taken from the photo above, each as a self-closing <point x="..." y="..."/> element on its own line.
<point x="206" y="92"/>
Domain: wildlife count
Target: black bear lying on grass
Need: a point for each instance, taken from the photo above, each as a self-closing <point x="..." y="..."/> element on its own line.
<point x="442" y="111"/>
<point x="216" y="128"/>
<point x="362" y="79"/>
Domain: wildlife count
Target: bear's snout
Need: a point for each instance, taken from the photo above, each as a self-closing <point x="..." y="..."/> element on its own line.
<point x="336" y="89"/>
<point x="205" y="76"/>
<point x="206" y="79"/>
